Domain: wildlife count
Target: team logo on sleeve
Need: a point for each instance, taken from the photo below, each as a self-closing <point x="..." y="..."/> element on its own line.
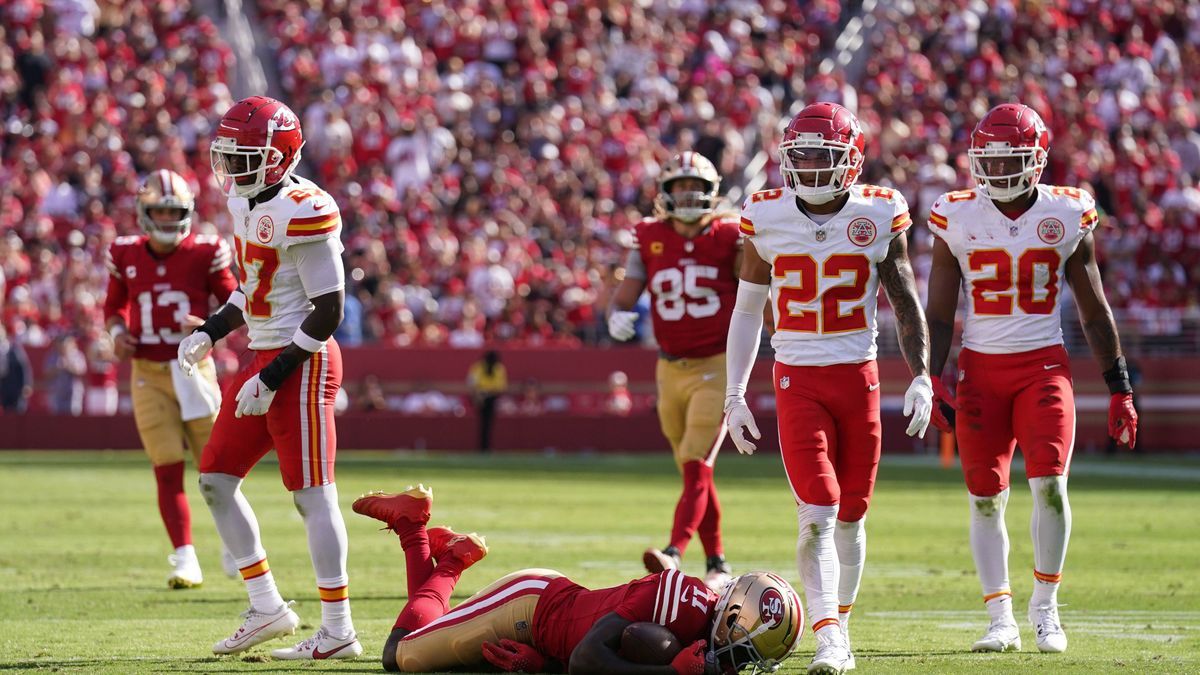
<point x="1051" y="230"/>
<point x="861" y="231"/>
<point x="770" y="606"/>
<point x="265" y="229"/>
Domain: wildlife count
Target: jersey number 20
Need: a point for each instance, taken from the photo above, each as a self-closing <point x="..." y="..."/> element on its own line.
<point x="993" y="296"/>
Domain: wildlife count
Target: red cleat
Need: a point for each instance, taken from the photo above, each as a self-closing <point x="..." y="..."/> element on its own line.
<point x="439" y="540"/>
<point x="399" y="511"/>
<point x="466" y="548"/>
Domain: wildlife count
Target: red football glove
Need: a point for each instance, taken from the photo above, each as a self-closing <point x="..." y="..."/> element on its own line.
<point x="514" y="657"/>
<point x="1122" y="419"/>
<point x="690" y="659"/>
<point x="943" y="401"/>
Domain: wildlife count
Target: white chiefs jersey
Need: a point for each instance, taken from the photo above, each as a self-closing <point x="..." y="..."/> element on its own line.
<point x="1012" y="270"/>
<point x="824" y="285"/>
<point x="276" y="298"/>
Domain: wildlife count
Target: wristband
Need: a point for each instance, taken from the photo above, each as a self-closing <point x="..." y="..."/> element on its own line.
<point x="1117" y="378"/>
<point x="273" y="375"/>
<point x="216" y="326"/>
<point x="307" y="342"/>
<point x="237" y="299"/>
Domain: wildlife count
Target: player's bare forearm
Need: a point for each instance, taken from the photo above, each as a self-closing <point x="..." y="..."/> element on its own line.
<point x="1094" y="313"/>
<point x="896" y="275"/>
<point x="319" y="325"/>
<point x="627" y="294"/>
<point x="597" y="652"/>
<point x="945" y="277"/>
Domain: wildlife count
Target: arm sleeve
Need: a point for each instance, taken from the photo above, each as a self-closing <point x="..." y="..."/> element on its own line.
<point x="745" y="333"/>
<point x="635" y="268"/>
<point x="116" y="302"/>
<point x="220" y="276"/>
<point x="319" y="264"/>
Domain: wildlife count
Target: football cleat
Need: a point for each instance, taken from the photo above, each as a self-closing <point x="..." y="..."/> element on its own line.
<point x="1049" y="634"/>
<point x="1001" y="636"/>
<point x="398" y="511"/>
<point x="186" y="573"/>
<point x="466" y="548"/>
<point x="259" y="627"/>
<point x="844" y="624"/>
<point x="660" y="561"/>
<point x="321" y="646"/>
<point x="719" y="574"/>
<point x="439" y="540"/>
<point x="833" y="654"/>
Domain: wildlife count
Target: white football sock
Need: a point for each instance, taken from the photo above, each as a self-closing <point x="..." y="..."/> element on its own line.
<point x="851" y="542"/>
<point x="1051" y="529"/>
<point x="989" y="547"/>
<point x="239" y="532"/>
<point x="816" y="556"/>
<point x="327" y="547"/>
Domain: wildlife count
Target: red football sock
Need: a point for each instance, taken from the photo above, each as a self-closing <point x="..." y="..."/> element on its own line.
<point x="432" y="600"/>
<point x="418" y="561"/>
<point x="710" y="527"/>
<point x="173" y="504"/>
<point x="697" y="478"/>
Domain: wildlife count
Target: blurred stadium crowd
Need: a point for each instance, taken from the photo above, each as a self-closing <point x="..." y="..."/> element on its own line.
<point x="490" y="156"/>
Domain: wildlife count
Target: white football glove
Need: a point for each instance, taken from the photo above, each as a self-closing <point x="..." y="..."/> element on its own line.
<point x="192" y="350"/>
<point x="254" y="398"/>
<point x="918" y="402"/>
<point x="737" y="418"/>
<point x="622" y="325"/>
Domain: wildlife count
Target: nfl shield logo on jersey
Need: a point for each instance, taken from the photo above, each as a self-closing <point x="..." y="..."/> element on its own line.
<point x="785" y="382"/>
<point x="1013" y="230"/>
<point x="820" y="235"/>
<point x="1051" y="230"/>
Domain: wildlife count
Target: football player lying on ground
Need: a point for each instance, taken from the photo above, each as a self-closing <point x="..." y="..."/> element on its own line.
<point x="537" y="620"/>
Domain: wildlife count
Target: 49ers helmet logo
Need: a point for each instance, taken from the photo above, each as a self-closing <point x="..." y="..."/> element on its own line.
<point x="861" y="231"/>
<point x="770" y="606"/>
<point x="265" y="229"/>
<point x="1051" y="230"/>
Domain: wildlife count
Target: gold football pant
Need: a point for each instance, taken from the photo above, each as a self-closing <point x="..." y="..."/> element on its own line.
<point x="502" y="610"/>
<point x="691" y="402"/>
<point x="156" y="411"/>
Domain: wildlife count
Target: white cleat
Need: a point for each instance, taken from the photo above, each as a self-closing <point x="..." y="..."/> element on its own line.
<point x="258" y="628"/>
<point x="1049" y="632"/>
<point x="845" y="626"/>
<point x="321" y="646"/>
<point x="187" y="571"/>
<point x="1000" y="637"/>
<point x="228" y="564"/>
<point x="716" y="580"/>
<point x="833" y="654"/>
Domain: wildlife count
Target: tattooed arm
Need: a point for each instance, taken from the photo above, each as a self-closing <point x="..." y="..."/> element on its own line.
<point x="896" y="274"/>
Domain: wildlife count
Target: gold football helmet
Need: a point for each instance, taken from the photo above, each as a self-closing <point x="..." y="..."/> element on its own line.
<point x="165" y="189"/>
<point x="757" y="622"/>
<point x="692" y="205"/>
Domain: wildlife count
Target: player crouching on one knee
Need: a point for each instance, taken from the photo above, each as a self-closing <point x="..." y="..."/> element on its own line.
<point x="537" y="620"/>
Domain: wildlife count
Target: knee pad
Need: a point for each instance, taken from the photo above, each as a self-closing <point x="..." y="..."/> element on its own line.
<point x="852" y="509"/>
<point x="984" y="481"/>
<point x="216" y="488"/>
<point x="814" y="520"/>
<point x="989" y="506"/>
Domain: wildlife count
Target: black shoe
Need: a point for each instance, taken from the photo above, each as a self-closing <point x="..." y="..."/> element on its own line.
<point x="718" y="564"/>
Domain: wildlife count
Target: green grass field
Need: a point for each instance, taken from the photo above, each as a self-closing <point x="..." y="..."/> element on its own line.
<point x="83" y="557"/>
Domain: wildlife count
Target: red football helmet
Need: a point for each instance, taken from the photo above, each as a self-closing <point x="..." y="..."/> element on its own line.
<point x="1008" y="151"/>
<point x="823" y="144"/>
<point x="257" y="145"/>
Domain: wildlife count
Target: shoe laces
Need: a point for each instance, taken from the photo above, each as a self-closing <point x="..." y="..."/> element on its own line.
<point x="311" y="643"/>
<point x="1048" y="622"/>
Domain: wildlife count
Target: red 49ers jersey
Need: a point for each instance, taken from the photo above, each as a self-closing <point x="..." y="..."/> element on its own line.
<point x="824" y="281"/>
<point x="1012" y="270"/>
<point x="155" y="294"/>
<point x="566" y="611"/>
<point x="693" y="285"/>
